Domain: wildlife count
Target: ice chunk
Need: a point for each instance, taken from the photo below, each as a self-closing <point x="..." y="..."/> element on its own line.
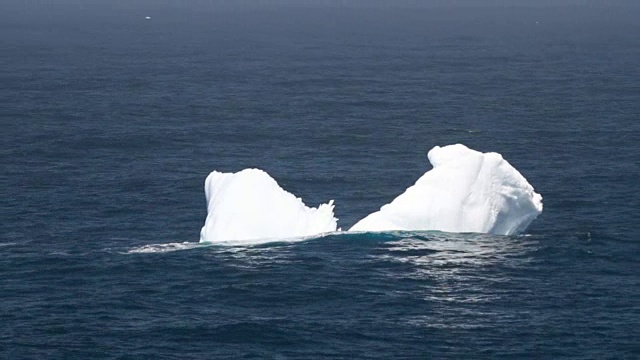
<point x="250" y="207"/>
<point x="466" y="191"/>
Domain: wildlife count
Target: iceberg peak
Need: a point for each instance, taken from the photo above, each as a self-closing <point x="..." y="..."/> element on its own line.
<point x="466" y="191"/>
<point x="249" y="206"/>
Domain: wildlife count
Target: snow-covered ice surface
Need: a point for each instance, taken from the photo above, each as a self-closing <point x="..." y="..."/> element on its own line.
<point x="466" y="191"/>
<point x="249" y="207"/>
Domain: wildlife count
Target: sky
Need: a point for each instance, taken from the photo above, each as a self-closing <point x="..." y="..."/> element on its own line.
<point x="324" y="3"/>
<point x="25" y="11"/>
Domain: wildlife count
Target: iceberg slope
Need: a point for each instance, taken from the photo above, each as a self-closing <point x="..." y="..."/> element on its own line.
<point x="466" y="191"/>
<point x="249" y="206"/>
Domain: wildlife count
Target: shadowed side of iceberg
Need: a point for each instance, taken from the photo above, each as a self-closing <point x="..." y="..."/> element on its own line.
<point x="249" y="206"/>
<point x="466" y="191"/>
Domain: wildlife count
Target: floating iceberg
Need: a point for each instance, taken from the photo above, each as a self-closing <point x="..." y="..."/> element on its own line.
<point x="466" y="191"/>
<point x="250" y="207"/>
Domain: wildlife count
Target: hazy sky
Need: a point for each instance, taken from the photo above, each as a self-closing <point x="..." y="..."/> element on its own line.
<point x="12" y="11"/>
<point x="332" y="3"/>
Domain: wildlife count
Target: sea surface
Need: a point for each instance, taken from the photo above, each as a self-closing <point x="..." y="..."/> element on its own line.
<point x="110" y="123"/>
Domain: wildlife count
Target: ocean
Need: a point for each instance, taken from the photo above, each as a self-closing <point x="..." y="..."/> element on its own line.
<point x="111" y="122"/>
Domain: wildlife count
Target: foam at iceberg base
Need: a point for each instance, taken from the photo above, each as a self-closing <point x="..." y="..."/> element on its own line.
<point x="466" y="191"/>
<point x="250" y="207"/>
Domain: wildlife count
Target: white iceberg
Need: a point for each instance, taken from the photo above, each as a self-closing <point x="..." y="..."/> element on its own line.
<point x="250" y="207"/>
<point x="466" y="191"/>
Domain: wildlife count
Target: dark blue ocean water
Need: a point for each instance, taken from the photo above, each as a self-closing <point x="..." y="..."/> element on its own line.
<point x="110" y="124"/>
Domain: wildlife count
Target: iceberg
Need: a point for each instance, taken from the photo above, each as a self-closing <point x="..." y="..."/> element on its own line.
<point x="466" y="191"/>
<point x="249" y="207"/>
